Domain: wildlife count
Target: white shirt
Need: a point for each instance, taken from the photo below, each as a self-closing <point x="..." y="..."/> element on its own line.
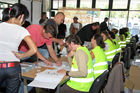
<point x="11" y="36"/>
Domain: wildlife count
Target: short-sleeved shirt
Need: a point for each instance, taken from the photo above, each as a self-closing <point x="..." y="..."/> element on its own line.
<point x="11" y="36"/>
<point x="35" y="31"/>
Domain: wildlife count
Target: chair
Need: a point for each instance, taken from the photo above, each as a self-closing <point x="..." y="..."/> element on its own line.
<point x="99" y="83"/>
<point x="115" y="82"/>
<point x="61" y="84"/>
<point x="126" y="57"/>
<point x="115" y="59"/>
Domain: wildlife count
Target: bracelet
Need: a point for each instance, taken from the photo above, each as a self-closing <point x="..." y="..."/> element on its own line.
<point x="67" y="73"/>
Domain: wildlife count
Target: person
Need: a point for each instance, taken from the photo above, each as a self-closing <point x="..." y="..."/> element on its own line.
<point x="11" y="35"/>
<point x="110" y="49"/>
<point x="42" y="35"/>
<point x="62" y="28"/>
<point x="75" y="26"/>
<point x="43" y="18"/>
<point x="103" y="25"/>
<point x="87" y="32"/>
<point x="81" y="74"/>
<point x="98" y="55"/>
<point x="61" y="35"/>
<point x="112" y="37"/>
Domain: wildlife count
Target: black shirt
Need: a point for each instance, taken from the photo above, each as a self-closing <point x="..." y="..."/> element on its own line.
<point x="103" y="26"/>
<point x="86" y="33"/>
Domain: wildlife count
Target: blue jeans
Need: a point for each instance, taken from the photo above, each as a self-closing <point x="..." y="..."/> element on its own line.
<point x="44" y="52"/>
<point x="12" y="77"/>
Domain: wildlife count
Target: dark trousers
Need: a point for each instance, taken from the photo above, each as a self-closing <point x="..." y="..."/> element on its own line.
<point x="66" y="89"/>
<point x="11" y="76"/>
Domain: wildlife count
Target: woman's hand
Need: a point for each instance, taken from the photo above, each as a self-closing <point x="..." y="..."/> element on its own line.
<point x="17" y="54"/>
<point x="62" y="71"/>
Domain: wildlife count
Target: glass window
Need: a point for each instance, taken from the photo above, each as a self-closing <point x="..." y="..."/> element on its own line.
<point x="1" y="14"/>
<point x="71" y="3"/>
<point x="102" y="4"/>
<point x="118" y="19"/>
<point x="103" y="14"/>
<point x="135" y="5"/>
<point x="60" y="3"/>
<point x="86" y="4"/>
<point x="120" y="4"/>
<point x="55" y="4"/>
<point x="10" y="1"/>
<point x="134" y="22"/>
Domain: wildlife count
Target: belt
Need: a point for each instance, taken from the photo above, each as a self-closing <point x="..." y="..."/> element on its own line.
<point x="10" y="64"/>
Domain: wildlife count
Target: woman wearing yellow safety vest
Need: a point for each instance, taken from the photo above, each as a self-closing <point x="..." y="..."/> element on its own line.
<point x="98" y="55"/>
<point x="112" y="37"/>
<point x="110" y="49"/>
<point x="81" y="74"/>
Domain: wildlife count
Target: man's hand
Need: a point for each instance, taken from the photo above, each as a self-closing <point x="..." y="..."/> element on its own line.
<point x="58" y="63"/>
<point x="48" y="62"/>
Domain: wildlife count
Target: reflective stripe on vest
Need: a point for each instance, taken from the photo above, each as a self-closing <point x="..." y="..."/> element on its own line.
<point x="113" y="51"/>
<point x="83" y="80"/>
<point x="100" y="64"/>
<point x="108" y="57"/>
<point x="99" y="71"/>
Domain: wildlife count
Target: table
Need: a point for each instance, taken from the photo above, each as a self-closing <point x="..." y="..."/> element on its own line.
<point x="30" y="75"/>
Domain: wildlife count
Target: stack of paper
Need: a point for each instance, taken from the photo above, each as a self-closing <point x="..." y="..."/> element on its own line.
<point x="47" y="79"/>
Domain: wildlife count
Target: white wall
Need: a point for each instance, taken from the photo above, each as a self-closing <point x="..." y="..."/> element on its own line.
<point x="27" y="3"/>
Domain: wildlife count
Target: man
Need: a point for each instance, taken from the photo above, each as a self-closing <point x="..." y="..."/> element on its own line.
<point x="75" y="26"/>
<point x="103" y="25"/>
<point x="87" y="32"/>
<point x="43" y="18"/>
<point x="45" y="35"/>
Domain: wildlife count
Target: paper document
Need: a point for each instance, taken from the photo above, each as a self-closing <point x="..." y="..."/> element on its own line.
<point x="47" y="79"/>
<point x="65" y="65"/>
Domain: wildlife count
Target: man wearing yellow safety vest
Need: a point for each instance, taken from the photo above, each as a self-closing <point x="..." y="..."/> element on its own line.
<point x="81" y="74"/>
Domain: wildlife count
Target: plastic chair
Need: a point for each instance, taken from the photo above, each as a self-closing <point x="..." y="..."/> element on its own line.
<point x="99" y="83"/>
<point x="115" y="59"/>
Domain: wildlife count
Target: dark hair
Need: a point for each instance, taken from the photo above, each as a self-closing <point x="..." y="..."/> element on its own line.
<point x="60" y="13"/>
<point x="99" y="40"/>
<point x="106" y="34"/>
<point x="106" y="18"/>
<point x="97" y="23"/>
<point x="43" y="13"/>
<point x="73" y="38"/>
<point x="50" y="29"/>
<point x="123" y="32"/>
<point x="112" y="34"/>
<point x="116" y="30"/>
<point x="15" y="11"/>
<point x="94" y="24"/>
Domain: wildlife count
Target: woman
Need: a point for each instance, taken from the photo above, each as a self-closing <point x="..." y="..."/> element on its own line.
<point x="98" y="55"/>
<point x="81" y="74"/>
<point x="11" y="35"/>
<point x="110" y="49"/>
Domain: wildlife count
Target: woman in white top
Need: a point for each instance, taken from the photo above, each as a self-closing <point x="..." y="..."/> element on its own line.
<point x="11" y="35"/>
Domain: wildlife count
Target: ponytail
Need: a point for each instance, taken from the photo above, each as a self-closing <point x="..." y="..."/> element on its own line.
<point x="15" y="11"/>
